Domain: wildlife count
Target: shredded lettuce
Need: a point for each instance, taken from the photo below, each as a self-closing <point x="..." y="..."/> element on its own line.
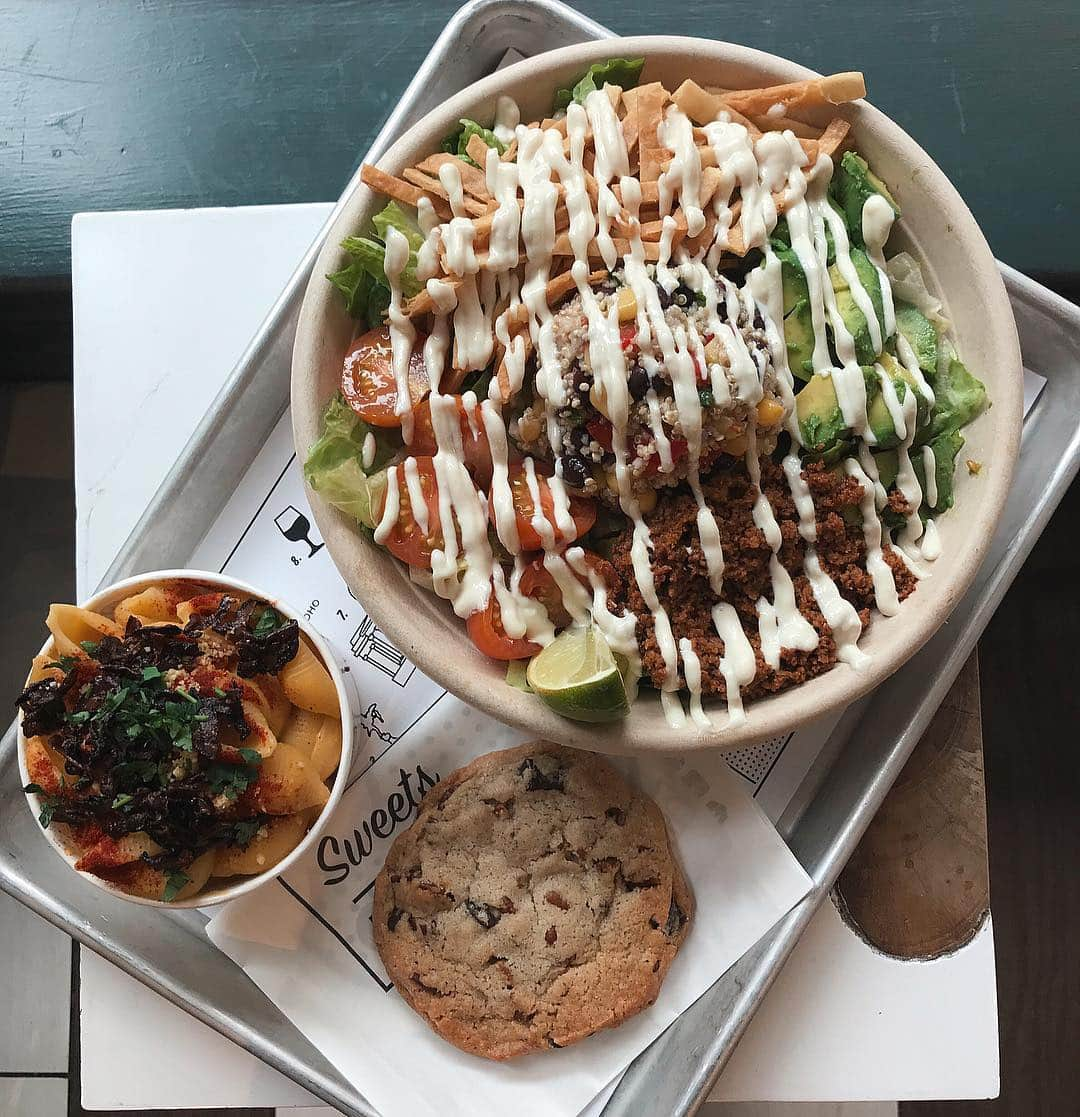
<point x="334" y="466"/>
<point x="908" y="284"/>
<point x="393" y="216"/>
<point x="458" y="141"/>
<point x="624" y="72"/>
<point x="363" y="281"/>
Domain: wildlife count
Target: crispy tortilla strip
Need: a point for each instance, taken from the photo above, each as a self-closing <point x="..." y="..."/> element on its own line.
<point x="558" y="125"/>
<point x="653" y="230"/>
<point x="649" y="107"/>
<point x="787" y="124"/>
<point x="836" y="89"/>
<point x="622" y="246"/>
<point x="711" y="178"/>
<point x="434" y="189"/>
<point x="502" y="375"/>
<point x="704" y="239"/>
<point x="423" y="303"/>
<point x="703" y="106"/>
<point x="835" y="138"/>
<point x="478" y="153"/>
<point x="405" y="192"/>
<point x="473" y="180"/>
<point x="510" y="154"/>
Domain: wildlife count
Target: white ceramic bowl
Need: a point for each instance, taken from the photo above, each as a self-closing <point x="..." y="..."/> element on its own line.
<point x="104" y="602"/>
<point x="937" y="228"/>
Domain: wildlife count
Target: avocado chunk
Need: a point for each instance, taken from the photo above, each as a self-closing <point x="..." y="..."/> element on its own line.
<point x="821" y="422"/>
<point x="878" y="415"/>
<point x="888" y="466"/>
<point x="900" y="372"/>
<point x="799" y="337"/>
<point x="793" y="278"/>
<point x="852" y="183"/>
<point x="946" y="446"/>
<point x="853" y="317"/>
<point x="920" y="334"/>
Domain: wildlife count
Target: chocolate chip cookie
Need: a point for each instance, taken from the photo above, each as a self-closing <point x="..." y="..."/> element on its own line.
<point x="535" y="900"/>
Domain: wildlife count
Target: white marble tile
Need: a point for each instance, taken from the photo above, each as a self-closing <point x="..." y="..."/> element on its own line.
<point x="35" y="989"/>
<point x="33" y="1097"/>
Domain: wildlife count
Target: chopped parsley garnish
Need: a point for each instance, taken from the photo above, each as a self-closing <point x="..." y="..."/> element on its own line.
<point x="175" y="883"/>
<point x="50" y="804"/>
<point x="706" y="397"/>
<point x="270" y="620"/>
<point x="231" y="780"/>
<point x="245" y="830"/>
<point x="89" y="646"/>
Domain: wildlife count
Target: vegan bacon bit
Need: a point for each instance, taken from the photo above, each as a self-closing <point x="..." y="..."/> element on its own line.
<point x="263" y="639"/>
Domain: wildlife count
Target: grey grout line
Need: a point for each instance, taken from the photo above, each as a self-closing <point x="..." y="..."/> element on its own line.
<point x="32" y="1074"/>
<point x="74" y="1076"/>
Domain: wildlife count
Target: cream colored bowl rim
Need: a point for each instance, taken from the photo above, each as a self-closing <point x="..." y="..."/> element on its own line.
<point x="111" y="596"/>
<point x="392" y="602"/>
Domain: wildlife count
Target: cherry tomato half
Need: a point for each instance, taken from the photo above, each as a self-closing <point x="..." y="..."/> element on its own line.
<point x="582" y="510"/>
<point x="679" y="450"/>
<point x="538" y="583"/>
<point x="486" y="632"/>
<point x="367" y="378"/>
<point x="601" y="429"/>
<point x="406" y="540"/>
<point x="628" y="336"/>
<point x="474" y="440"/>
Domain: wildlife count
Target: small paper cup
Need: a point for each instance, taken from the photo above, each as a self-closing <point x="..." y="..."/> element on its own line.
<point x="104" y="602"/>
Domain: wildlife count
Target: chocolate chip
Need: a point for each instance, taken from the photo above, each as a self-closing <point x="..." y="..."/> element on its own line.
<point x="634" y="885"/>
<point x="656" y="965"/>
<point x="556" y="900"/>
<point x="552" y="1043"/>
<point x="676" y="917"/>
<point x="536" y="779"/>
<point x="394" y="918"/>
<point x="506" y="906"/>
<point x="523" y="1017"/>
<point x="550" y="935"/>
<point x="484" y="914"/>
<point x="617" y="815"/>
<point x="608" y="864"/>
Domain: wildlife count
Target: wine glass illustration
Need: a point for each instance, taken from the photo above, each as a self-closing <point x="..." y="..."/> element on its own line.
<point x="296" y="527"/>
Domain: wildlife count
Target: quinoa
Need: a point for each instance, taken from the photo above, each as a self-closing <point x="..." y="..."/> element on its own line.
<point x="682" y="582"/>
<point x="582" y="432"/>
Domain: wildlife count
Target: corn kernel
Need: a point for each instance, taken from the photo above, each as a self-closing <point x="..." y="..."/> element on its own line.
<point x="646" y="500"/>
<point x="769" y="412"/>
<point x="712" y="352"/>
<point x="626" y="301"/>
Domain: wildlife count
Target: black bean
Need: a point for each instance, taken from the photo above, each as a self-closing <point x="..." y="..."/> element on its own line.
<point x="683" y="296"/>
<point x="638" y="382"/>
<point x="664" y="297"/>
<point x="575" y="470"/>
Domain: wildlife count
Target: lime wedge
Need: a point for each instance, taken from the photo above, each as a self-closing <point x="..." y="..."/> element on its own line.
<point x="577" y="676"/>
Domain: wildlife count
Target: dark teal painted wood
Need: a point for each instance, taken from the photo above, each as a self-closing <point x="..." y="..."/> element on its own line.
<point x="118" y="104"/>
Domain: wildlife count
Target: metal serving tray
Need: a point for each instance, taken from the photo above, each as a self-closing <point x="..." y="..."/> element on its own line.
<point x="839" y="796"/>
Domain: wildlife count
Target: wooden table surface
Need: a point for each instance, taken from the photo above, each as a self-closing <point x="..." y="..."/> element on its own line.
<point x="139" y="104"/>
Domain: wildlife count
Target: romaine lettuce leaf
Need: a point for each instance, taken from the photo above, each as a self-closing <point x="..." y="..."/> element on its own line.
<point x="363" y="281"/>
<point x="334" y="470"/>
<point x="458" y="140"/>
<point x="394" y="216"/>
<point x="624" y="72"/>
